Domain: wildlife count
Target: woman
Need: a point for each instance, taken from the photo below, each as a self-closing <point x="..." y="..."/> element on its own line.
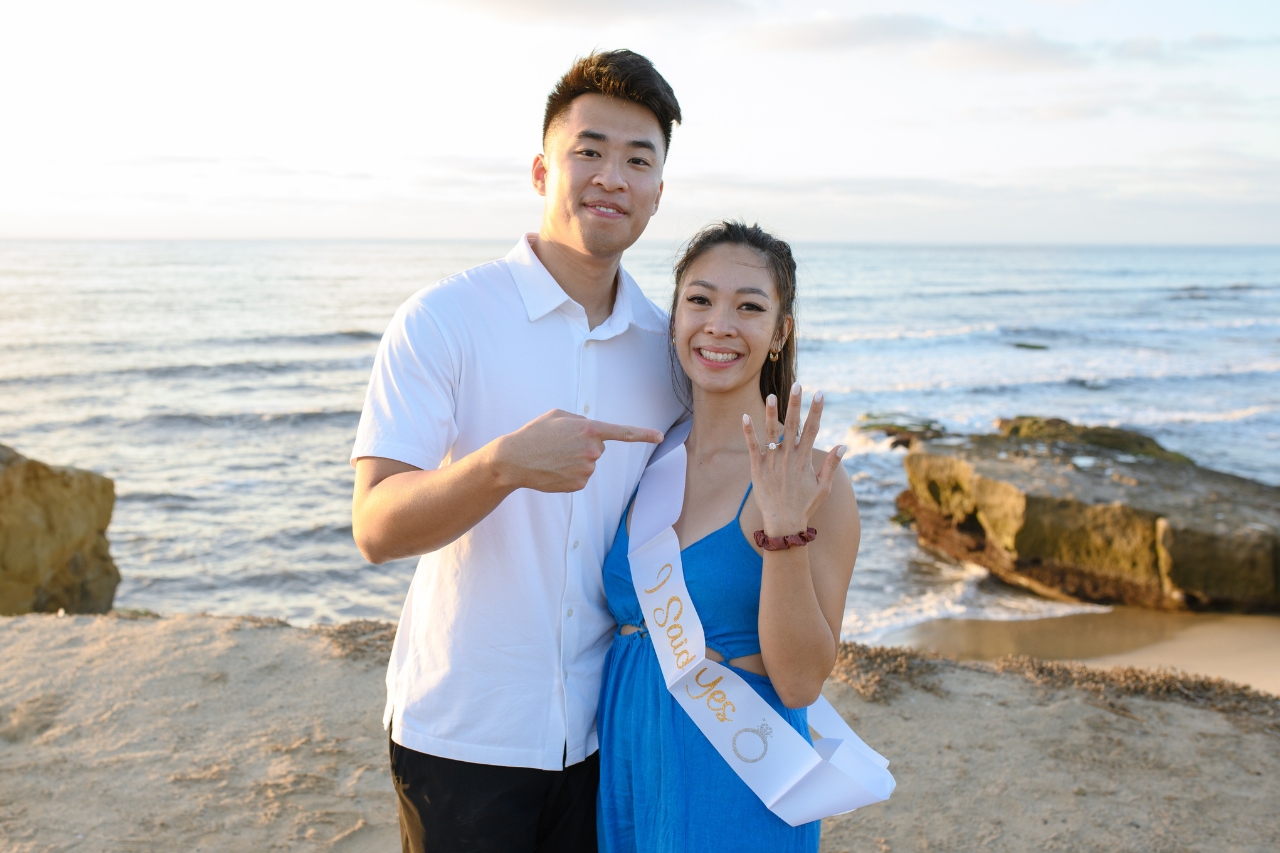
<point x="773" y="615"/>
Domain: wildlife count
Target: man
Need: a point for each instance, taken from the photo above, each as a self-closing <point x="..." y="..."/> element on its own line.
<point x="511" y="411"/>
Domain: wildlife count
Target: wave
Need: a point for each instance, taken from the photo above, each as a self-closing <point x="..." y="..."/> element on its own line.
<point x="1259" y="371"/>
<point x="243" y="420"/>
<point x="156" y="497"/>
<point x="293" y="538"/>
<point x="321" y="339"/>
<point x="965" y="597"/>
<point x="198" y="371"/>
<point x="240" y="368"/>
<point x="899" y="334"/>
<point x="1219" y="291"/>
<point x="348" y="336"/>
<point x="1048" y="288"/>
<point x="1190" y="417"/>
<point x="1114" y="335"/>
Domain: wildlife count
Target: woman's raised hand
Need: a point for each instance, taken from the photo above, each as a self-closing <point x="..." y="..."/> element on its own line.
<point x="788" y="490"/>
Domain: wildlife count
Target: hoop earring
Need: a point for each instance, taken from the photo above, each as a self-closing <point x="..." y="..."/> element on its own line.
<point x="773" y="355"/>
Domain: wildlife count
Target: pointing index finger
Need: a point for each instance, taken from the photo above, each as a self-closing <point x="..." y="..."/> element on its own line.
<point x="618" y="432"/>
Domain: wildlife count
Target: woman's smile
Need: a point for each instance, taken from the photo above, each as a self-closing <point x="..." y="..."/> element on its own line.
<point x="717" y="358"/>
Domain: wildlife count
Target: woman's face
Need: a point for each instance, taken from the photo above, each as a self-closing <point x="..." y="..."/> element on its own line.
<point x="726" y="318"/>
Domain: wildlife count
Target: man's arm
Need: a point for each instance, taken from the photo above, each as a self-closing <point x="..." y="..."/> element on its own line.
<point x="402" y="511"/>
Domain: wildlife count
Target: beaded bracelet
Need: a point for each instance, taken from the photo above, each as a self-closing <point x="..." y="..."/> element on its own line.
<point x="782" y="543"/>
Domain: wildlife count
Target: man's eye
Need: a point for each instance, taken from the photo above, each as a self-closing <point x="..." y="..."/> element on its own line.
<point x="589" y="152"/>
<point x="637" y="161"/>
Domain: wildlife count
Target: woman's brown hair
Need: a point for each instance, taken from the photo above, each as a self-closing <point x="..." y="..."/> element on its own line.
<point x="776" y="377"/>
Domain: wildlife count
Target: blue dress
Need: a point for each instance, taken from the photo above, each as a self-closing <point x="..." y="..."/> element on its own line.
<point x="663" y="787"/>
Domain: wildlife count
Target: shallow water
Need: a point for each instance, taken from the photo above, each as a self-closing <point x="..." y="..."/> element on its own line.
<point x="219" y="384"/>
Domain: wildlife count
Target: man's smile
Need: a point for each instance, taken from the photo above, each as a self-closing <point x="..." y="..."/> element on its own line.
<point x="607" y="209"/>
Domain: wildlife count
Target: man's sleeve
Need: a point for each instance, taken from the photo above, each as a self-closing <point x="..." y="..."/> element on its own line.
<point x="409" y="408"/>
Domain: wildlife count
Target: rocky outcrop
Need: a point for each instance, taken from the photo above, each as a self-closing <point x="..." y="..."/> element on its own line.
<point x="53" y="544"/>
<point x="1096" y="514"/>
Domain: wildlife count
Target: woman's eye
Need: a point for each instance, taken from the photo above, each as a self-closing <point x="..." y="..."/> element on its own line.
<point x="699" y="300"/>
<point x="751" y="306"/>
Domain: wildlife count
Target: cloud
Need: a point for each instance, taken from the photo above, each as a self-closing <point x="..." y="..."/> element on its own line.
<point x="849" y="33"/>
<point x="1190" y="197"/>
<point x="1174" y="101"/>
<point x="947" y="45"/>
<point x="938" y="41"/>
<point x="594" y="11"/>
<point x="1183" y="52"/>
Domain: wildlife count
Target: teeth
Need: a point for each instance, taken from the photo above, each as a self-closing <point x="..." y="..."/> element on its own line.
<point x="718" y="356"/>
<point x="608" y="209"/>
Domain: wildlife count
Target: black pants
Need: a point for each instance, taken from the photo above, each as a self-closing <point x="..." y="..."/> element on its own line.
<point x="449" y="806"/>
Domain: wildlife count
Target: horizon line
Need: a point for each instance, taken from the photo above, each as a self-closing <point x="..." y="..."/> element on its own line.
<point x="921" y="244"/>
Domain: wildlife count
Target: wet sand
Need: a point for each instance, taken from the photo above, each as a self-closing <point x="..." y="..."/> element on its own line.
<point x="224" y="735"/>
<point x="1240" y="648"/>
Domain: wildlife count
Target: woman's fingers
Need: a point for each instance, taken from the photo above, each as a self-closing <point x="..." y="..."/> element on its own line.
<point x="772" y="426"/>
<point x="827" y="474"/>
<point x="810" y="433"/>
<point x="793" y="415"/>
<point x="753" y="441"/>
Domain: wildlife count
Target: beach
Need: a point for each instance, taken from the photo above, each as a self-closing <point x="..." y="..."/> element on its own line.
<point x="227" y="441"/>
<point x="128" y="732"/>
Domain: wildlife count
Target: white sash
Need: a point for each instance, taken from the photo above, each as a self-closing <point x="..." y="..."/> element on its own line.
<point x="797" y="782"/>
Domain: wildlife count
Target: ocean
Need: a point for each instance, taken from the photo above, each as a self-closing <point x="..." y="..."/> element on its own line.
<point x="219" y="384"/>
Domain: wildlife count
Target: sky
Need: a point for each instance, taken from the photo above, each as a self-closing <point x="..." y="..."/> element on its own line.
<point x="956" y="121"/>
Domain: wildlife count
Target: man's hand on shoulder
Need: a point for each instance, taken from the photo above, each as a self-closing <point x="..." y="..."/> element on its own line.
<point x="557" y="452"/>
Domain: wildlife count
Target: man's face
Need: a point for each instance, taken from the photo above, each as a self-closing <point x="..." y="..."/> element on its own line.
<point x="601" y="175"/>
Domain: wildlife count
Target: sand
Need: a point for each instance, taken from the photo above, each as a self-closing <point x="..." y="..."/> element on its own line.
<point x="197" y="733"/>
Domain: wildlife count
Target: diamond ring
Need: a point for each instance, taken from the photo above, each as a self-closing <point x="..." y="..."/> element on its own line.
<point x="773" y="445"/>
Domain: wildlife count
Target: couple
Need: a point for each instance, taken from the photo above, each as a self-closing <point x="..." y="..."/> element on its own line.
<point x="512" y="411"/>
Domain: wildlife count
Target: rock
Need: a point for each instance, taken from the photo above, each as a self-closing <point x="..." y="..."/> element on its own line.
<point x="1056" y="429"/>
<point x="53" y="544"/>
<point x="902" y="428"/>
<point x="1063" y="511"/>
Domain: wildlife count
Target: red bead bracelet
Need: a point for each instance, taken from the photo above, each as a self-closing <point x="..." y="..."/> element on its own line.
<point x="782" y="543"/>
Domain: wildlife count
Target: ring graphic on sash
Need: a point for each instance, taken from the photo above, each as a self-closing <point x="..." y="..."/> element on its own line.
<point x="762" y="732"/>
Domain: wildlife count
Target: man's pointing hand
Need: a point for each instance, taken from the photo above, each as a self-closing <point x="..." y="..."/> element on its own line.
<point x="558" y="451"/>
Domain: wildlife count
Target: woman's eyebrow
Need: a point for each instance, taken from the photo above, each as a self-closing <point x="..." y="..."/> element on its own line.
<point x="709" y="286"/>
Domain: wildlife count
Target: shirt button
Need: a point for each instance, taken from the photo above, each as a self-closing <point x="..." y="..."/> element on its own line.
<point x="570" y="611"/>
<point x="586" y="408"/>
<point x="575" y="544"/>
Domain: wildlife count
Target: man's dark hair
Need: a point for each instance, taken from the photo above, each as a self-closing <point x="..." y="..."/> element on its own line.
<point x="620" y="74"/>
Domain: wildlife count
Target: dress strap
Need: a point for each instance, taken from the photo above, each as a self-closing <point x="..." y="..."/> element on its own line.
<point x="744" y="500"/>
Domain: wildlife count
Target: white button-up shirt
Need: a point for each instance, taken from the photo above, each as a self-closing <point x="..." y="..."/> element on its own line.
<point x="501" y="643"/>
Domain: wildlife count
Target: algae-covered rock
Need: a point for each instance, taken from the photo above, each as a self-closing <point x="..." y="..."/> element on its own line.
<point x="901" y="428"/>
<point x="1055" y="511"/>
<point x="53" y="544"/>
<point x="1056" y="429"/>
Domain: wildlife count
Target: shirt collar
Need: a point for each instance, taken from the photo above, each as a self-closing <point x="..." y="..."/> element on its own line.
<point x="542" y="294"/>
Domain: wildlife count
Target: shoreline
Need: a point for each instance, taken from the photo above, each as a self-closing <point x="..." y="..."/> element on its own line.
<point x="1241" y="648"/>
<point x="128" y="732"/>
